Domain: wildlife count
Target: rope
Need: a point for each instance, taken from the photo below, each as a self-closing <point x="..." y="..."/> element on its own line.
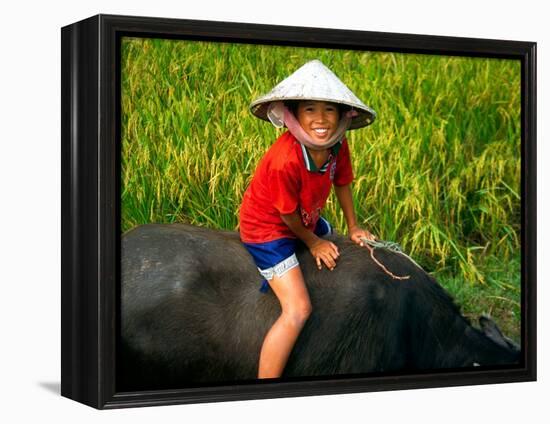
<point x="389" y="245"/>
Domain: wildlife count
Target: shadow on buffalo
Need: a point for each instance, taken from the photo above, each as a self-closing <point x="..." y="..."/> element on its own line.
<point x="192" y="314"/>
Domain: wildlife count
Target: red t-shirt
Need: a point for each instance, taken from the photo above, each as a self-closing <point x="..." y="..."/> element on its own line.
<point x="282" y="184"/>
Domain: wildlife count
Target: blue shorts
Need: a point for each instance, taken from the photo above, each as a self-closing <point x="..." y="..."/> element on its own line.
<point x="278" y="256"/>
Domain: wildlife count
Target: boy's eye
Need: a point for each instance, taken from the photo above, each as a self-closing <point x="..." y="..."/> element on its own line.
<point x="313" y="108"/>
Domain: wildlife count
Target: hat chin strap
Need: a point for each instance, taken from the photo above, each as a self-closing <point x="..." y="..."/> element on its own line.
<point x="280" y="116"/>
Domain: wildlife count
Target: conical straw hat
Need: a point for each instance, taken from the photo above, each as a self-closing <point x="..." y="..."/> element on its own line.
<point x="314" y="81"/>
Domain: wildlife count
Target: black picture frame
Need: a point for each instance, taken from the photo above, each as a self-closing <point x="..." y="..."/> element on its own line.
<point x="90" y="177"/>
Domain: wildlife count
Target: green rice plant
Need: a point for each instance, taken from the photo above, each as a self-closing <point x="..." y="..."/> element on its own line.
<point x="438" y="171"/>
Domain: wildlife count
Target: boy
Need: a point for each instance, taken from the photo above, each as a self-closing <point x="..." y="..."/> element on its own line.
<point x="290" y="188"/>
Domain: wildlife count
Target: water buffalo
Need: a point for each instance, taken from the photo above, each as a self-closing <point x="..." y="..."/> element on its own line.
<point x="192" y="314"/>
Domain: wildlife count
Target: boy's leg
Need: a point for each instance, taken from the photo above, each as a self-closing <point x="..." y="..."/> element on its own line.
<point x="292" y="293"/>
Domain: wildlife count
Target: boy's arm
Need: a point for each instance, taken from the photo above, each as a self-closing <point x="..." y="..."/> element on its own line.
<point x="343" y="194"/>
<point x="322" y="250"/>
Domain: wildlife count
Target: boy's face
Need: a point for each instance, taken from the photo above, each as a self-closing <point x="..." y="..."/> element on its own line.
<point x="318" y="119"/>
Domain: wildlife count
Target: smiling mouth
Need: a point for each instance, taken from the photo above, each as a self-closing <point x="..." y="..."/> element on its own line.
<point x="320" y="131"/>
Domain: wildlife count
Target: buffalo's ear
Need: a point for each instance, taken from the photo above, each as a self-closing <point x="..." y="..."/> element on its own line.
<point x="491" y="330"/>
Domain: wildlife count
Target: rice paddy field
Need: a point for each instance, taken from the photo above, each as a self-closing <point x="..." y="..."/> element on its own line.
<point x="438" y="171"/>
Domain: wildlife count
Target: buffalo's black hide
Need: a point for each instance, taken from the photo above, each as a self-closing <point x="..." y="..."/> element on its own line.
<point x="192" y="314"/>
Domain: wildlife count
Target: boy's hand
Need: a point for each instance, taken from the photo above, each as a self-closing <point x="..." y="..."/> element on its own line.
<point x="356" y="234"/>
<point x="325" y="251"/>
